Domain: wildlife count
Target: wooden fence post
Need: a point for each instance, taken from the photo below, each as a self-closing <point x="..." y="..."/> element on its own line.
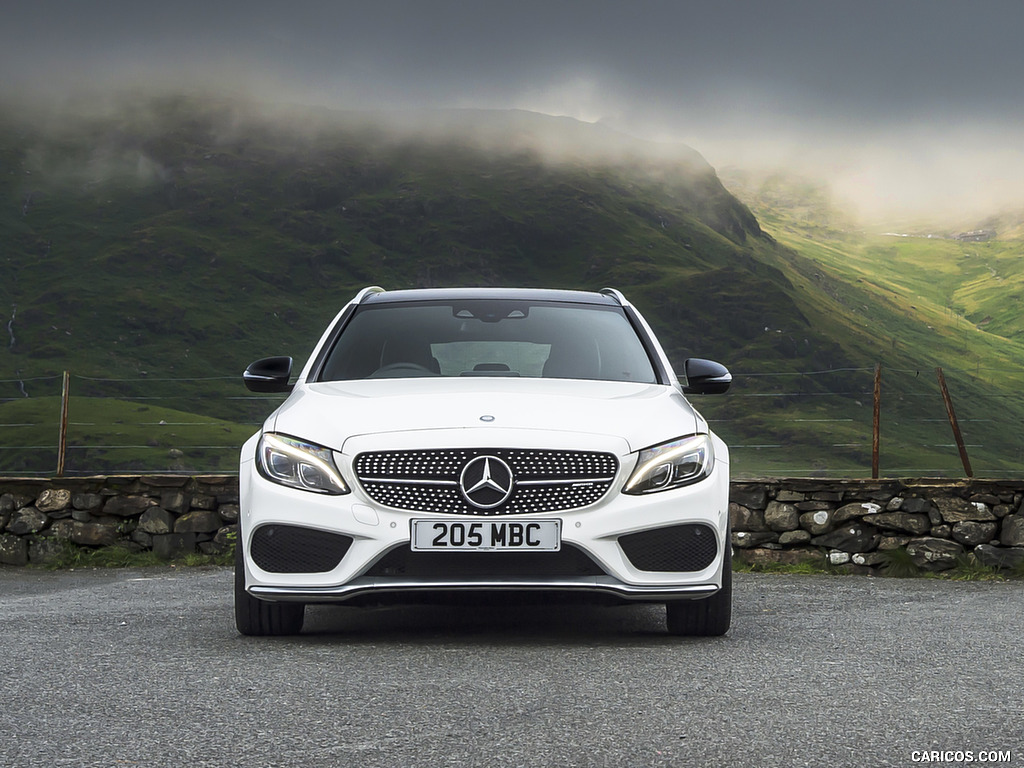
<point x="953" y="423"/>
<point x="62" y="442"/>
<point x="876" y="422"/>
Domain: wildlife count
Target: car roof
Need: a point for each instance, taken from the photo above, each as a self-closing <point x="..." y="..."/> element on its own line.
<point x="506" y="294"/>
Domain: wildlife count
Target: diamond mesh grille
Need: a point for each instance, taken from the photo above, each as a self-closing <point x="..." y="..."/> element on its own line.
<point x="427" y="481"/>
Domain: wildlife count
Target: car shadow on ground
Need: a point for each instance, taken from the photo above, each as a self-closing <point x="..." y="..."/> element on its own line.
<point x="514" y="624"/>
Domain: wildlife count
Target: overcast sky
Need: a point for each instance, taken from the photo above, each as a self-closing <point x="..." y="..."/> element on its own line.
<point x="888" y="97"/>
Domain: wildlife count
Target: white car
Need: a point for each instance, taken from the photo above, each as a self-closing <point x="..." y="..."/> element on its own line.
<point x="486" y="443"/>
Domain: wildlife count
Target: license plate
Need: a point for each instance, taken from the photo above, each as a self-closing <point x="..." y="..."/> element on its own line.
<point x="490" y="535"/>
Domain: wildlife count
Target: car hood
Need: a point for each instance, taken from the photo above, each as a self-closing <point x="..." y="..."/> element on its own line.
<point x="330" y="413"/>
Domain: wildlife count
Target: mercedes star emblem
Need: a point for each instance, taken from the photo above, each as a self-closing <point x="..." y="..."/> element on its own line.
<point x="486" y="482"/>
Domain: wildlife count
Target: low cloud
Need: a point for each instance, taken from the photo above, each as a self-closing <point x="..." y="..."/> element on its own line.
<point x="956" y="168"/>
<point x="930" y="174"/>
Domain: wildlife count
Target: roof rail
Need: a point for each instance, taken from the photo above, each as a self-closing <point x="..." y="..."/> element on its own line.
<point x="617" y="295"/>
<point x="366" y="292"/>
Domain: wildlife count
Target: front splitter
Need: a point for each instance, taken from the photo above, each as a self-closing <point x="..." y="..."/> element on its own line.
<point x="606" y="586"/>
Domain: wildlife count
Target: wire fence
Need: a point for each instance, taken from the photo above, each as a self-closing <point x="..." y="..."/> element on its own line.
<point x="828" y="423"/>
<point x="824" y="423"/>
<point x="184" y="425"/>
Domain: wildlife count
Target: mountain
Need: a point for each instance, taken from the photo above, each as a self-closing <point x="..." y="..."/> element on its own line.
<point x="922" y="298"/>
<point x="154" y="246"/>
<point x="152" y="235"/>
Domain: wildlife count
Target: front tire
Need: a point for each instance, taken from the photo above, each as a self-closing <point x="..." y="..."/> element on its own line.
<point x="259" y="617"/>
<point x="707" y="617"/>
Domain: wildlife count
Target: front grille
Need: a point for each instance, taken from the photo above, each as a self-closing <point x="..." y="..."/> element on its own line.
<point x="543" y="481"/>
<point x="529" y="464"/>
<point x="678" y="548"/>
<point x="567" y="562"/>
<point x="291" y="549"/>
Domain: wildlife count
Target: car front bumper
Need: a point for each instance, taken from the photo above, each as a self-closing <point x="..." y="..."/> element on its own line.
<point x="594" y="531"/>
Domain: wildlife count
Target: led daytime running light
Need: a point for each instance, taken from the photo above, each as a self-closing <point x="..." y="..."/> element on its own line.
<point x="668" y="456"/>
<point x="300" y="455"/>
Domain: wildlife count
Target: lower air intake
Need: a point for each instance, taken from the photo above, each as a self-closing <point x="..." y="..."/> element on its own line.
<point x="679" y="548"/>
<point x="403" y="562"/>
<point x="291" y="549"/>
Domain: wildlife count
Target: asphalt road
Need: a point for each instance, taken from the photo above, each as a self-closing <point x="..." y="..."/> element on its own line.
<point x="144" y="668"/>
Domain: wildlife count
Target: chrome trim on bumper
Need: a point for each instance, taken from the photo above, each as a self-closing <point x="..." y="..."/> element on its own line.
<point x="593" y="584"/>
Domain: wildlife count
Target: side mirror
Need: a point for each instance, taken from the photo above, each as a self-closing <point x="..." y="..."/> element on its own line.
<point x="270" y="374"/>
<point x="705" y="377"/>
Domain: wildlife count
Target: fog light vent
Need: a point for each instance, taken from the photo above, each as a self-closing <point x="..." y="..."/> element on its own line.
<point x="678" y="548"/>
<point x="292" y="549"/>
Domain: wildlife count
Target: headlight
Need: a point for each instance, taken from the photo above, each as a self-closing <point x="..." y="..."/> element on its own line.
<point x="298" y="464"/>
<point x="672" y="465"/>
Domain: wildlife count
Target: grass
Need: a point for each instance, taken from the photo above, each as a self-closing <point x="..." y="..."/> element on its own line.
<point x="968" y="568"/>
<point x="109" y="434"/>
<point x="75" y="557"/>
<point x="898" y="565"/>
<point x="808" y="566"/>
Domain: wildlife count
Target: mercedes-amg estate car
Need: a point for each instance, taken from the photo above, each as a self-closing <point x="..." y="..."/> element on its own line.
<point x="492" y="444"/>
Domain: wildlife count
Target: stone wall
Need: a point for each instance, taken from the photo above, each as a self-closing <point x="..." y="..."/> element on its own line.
<point x="171" y="515"/>
<point x="851" y="523"/>
<point x="856" y="524"/>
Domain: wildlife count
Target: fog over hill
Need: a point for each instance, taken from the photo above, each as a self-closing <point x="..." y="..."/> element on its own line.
<point x="125" y="197"/>
<point x="173" y="235"/>
<point x="905" y="110"/>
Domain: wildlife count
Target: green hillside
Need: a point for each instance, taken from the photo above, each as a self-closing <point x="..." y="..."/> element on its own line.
<point x="112" y="435"/>
<point x="155" y="247"/>
<point x="922" y="299"/>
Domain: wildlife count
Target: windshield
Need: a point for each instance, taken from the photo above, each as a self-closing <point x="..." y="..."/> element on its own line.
<point x="481" y="337"/>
